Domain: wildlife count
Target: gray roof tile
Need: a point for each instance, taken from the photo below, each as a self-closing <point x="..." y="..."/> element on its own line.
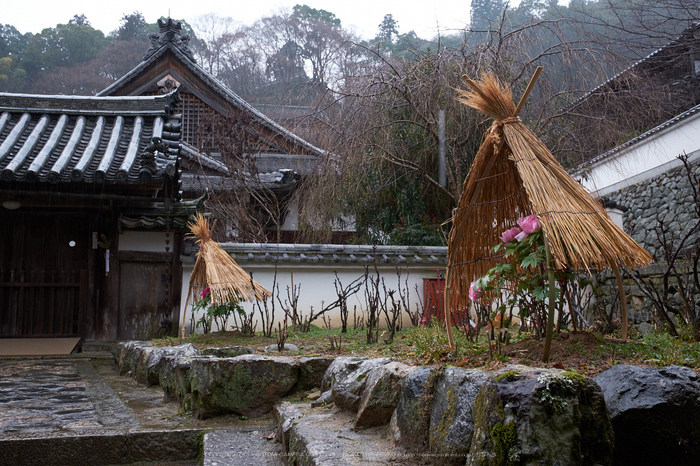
<point x="92" y="139"/>
<point x="336" y="254"/>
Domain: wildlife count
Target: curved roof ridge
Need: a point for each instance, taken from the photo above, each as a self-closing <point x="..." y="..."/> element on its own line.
<point x="217" y="85"/>
<point x="676" y="41"/>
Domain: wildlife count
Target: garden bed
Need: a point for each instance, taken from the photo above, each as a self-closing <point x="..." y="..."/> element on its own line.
<point x="588" y="353"/>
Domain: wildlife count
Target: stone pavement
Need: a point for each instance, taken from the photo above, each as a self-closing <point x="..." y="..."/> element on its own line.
<point x="77" y="410"/>
<point x="54" y="396"/>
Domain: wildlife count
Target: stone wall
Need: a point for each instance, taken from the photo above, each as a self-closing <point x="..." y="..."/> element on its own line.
<point x="640" y="311"/>
<point x="667" y="197"/>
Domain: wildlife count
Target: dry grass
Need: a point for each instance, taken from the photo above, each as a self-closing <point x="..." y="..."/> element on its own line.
<point x="216" y="270"/>
<point x="514" y="175"/>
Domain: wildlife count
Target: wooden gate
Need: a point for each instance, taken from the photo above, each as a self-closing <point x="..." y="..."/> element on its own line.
<point x="43" y="303"/>
<point x="145" y="295"/>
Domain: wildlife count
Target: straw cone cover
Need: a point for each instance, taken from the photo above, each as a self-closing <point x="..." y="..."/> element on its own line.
<point x="215" y="269"/>
<point x="515" y="175"/>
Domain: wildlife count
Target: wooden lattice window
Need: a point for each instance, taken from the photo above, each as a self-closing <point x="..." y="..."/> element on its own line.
<point x="194" y="112"/>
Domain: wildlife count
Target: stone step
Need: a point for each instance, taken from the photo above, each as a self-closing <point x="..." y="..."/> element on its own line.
<point x="92" y="346"/>
<point x="243" y="446"/>
<point x="326" y="436"/>
<point x="104" y="448"/>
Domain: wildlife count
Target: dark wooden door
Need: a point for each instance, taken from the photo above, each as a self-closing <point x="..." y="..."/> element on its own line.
<point x="145" y="295"/>
<point x="434" y="298"/>
<point x="43" y="274"/>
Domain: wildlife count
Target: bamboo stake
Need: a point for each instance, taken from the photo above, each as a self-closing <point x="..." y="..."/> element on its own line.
<point x="528" y="89"/>
<point x="623" y="300"/>
<point x="552" y="297"/>
<point x="448" y="314"/>
<point x="184" y="316"/>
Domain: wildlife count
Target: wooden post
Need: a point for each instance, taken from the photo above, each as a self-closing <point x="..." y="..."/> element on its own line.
<point x="83" y="300"/>
<point x="623" y="300"/>
<point x="184" y="314"/>
<point x="448" y="314"/>
<point x="552" y="296"/>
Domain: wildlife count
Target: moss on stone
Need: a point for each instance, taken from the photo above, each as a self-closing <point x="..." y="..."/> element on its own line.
<point x="361" y="376"/>
<point x="446" y="419"/>
<point x="506" y="375"/>
<point x="574" y="376"/>
<point x="505" y="440"/>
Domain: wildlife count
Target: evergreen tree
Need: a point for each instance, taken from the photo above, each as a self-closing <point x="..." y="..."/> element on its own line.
<point x="133" y="27"/>
<point x="485" y="12"/>
<point x="79" y="20"/>
<point x="388" y="28"/>
<point x="11" y="41"/>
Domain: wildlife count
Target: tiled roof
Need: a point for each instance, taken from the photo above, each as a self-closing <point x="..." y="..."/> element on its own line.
<point x="207" y="161"/>
<point x="274" y="180"/>
<point x="301" y="164"/>
<point x="176" y="216"/>
<point x="681" y="39"/>
<point x="170" y="39"/>
<point x="264" y="162"/>
<point x="426" y="256"/>
<point x="666" y="124"/>
<point x="91" y="139"/>
<point x="273" y="171"/>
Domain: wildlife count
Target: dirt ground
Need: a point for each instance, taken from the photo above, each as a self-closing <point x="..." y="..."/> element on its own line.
<point x="585" y="352"/>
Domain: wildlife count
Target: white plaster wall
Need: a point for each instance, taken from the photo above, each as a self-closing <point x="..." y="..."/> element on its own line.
<point x="144" y="241"/>
<point x="616" y="216"/>
<point x="291" y="220"/>
<point x="317" y="286"/>
<point x="645" y="159"/>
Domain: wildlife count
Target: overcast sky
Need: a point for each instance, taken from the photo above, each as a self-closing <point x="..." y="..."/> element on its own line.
<point x="364" y="16"/>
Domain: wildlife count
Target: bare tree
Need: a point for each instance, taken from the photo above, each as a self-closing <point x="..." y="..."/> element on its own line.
<point x="343" y="293"/>
<point x="218" y="37"/>
<point x="373" y="304"/>
<point x="252" y="204"/>
<point x="382" y="123"/>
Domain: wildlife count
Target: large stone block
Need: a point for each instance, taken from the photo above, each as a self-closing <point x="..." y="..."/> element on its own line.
<point x="540" y="416"/>
<point x="228" y="351"/>
<point x="127" y="352"/>
<point x="148" y="365"/>
<point x="413" y="410"/>
<point x="246" y="385"/>
<point x="655" y="414"/>
<point x="346" y="378"/>
<point x="381" y="394"/>
<point x="140" y="363"/>
<point x="174" y="379"/>
<point x="451" y="419"/>
<point x="311" y="372"/>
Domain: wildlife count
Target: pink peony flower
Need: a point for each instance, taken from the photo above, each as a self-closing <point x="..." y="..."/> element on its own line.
<point x="475" y="292"/>
<point x="205" y="293"/>
<point x="529" y="224"/>
<point x="521" y="236"/>
<point x="509" y="235"/>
